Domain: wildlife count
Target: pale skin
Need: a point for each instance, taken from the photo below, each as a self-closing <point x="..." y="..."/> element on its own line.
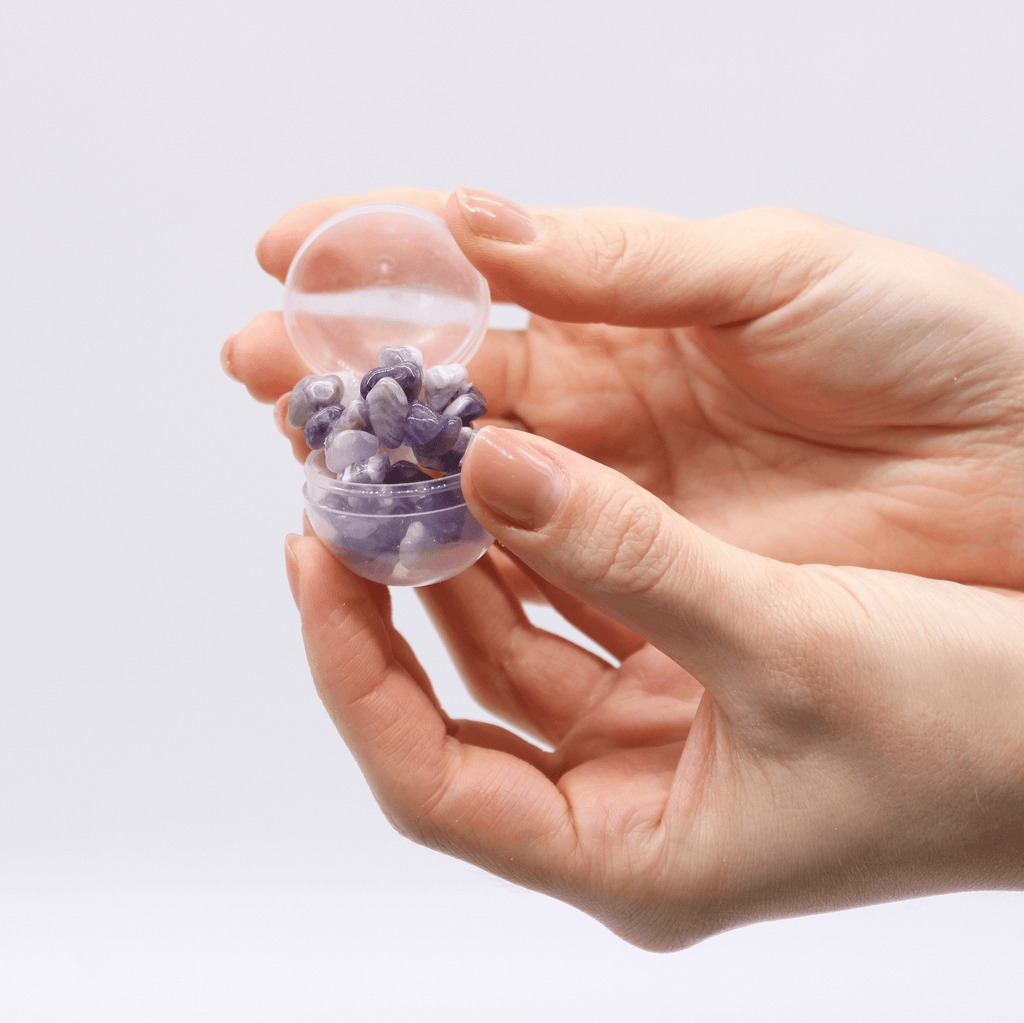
<point x="789" y="503"/>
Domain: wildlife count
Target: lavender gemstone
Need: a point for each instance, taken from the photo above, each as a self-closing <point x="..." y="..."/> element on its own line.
<point x="417" y="544"/>
<point x="355" y="417"/>
<point x="444" y="441"/>
<point x="369" y="539"/>
<point x="461" y="445"/>
<point x="347" y="446"/>
<point x="319" y="425"/>
<point x="388" y="409"/>
<point x="421" y="425"/>
<point x="407" y="375"/>
<point x="311" y="394"/>
<point x="344" y="539"/>
<point x="414" y="384"/>
<point x="446" y="526"/>
<point x="385" y="538"/>
<point x="369" y="470"/>
<point x="467" y="407"/>
<point x="436" y="498"/>
<point x="406" y="472"/>
<point x="392" y="355"/>
<point x="442" y="383"/>
<point x="431" y="462"/>
<point x="366" y="384"/>
<point x="350" y="383"/>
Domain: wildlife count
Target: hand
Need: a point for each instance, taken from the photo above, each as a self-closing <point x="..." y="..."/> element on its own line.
<point x="777" y="740"/>
<point x="795" y="387"/>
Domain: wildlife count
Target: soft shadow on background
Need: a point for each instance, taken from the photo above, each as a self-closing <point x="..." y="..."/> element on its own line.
<point x="182" y="835"/>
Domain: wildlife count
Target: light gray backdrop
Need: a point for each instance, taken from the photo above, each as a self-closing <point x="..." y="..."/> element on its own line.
<point x="182" y="836"/>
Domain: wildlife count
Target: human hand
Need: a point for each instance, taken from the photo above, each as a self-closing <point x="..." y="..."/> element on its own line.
<point x="777" y="740"/>
<point x="797" y="388"/>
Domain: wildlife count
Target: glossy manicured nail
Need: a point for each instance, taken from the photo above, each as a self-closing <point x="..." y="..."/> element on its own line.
<point x="291" y="564"/>
<point x="513" y="479"/>
<point x="497" y="219"/>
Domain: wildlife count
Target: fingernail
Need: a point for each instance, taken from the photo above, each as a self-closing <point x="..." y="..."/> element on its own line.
<point x="225" y="358"/>
<point x="291" y="565"/>
<point x="516" y="482"/>
<point x="500" y="220"/>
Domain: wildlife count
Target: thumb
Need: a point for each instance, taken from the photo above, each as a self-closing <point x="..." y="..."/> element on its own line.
<point x="592" y="532"/>
<point x="635" y="268"/>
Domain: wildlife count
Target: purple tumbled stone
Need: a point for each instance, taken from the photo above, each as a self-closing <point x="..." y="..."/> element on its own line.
<point x="388" y="409"/>
<point x="442" y="383"/>
<point x="466" y="406"/>
<point x="369" y="470"/>
<point x="347" y="446"/>
<point x="410" y="376"/>
<point x="371" y="378"/>
<point x="447" y="525"/>
<point x="311" y="394"/>
<point x="407" y="375"/>
<point x="417" y="544"/>
<point x="392" y="355"/>
<point x="319" y="425"/>
<point x="445" y="439"/>
<point x="461" y="445"/>
<point x="422" y="424"/>
<point x="355" y="417"/>
<point x="406" y="472"/>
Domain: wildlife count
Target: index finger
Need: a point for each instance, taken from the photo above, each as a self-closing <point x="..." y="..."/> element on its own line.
<point x="276" y="249"/>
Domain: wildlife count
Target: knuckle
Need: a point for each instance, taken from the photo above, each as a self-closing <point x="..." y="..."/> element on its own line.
<point x="620" y="255"/>
<point x="809" y="659"/>
<point x="416" y="822"/>
<point x="797" y="248"/>
<point x="624" y="546"/>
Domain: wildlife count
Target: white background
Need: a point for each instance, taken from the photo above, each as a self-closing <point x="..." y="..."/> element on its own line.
<point x="182" y="835"/>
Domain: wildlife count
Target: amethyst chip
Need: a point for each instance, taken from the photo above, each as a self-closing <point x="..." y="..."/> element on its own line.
<point x="467" y="406"/>
<point x="407" y="375"/>
<point x="311" y="394"/>
<point x="406" y="472"/>
<point x="369" y="470"/>
<point x="348" y="446"/>
<point x="442" y="383"/>
<point x="422" y="424"/>
<point x="392" y="355"/>
<point x="388" y="409"/>
<point x="445" y="440"/>
<point x="319" y="425"/>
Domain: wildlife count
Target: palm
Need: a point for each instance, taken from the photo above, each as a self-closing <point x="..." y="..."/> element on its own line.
<point x="763" y="435"/>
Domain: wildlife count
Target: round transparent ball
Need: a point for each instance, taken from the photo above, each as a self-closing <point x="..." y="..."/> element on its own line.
<point x="376" y="275"/>
<point x="400" y="534"/>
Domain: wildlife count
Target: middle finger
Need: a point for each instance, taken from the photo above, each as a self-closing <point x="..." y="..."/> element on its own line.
<point x="529" y="677"/>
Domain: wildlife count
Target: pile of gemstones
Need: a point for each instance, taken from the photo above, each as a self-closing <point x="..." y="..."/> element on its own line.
<point x="405" y="424"/>
<point x="397" y="440"/>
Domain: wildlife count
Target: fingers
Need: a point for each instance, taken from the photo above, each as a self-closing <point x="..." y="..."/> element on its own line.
<point x="278" y="246"/>
<point x="590" y="531"/>
<point x="261" y="357"/>
<point x="296" y="438"/>
<point x="514" y="577"/>
<point x="620" y="642"/>
<point x="482" y="802"/>
<point x="640" y="269"/>
<point x="276" y="249"/>
<point x="529" y="677"/>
